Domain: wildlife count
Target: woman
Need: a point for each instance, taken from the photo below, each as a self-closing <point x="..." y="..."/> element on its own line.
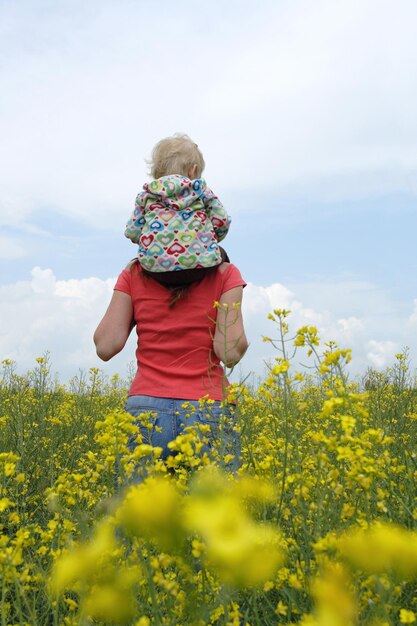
<point x="183" y="334"/>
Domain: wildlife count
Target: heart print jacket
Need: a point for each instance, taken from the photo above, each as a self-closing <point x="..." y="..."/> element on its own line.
<point x="177" y="224"/>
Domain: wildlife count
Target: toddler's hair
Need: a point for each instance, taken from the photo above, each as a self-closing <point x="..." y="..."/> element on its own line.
<point x="175" y="155"/>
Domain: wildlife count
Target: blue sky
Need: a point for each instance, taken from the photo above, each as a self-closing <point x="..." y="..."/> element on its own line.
<point x="305" y="113"/>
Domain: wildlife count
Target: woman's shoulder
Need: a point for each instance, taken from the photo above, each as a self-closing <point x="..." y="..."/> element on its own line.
<point x="230" y="275"/>
<point x="223" y="267"/>
<point x="228" y="268"/>
<point x="128" y="275"/>
<point x="133" y="263"/>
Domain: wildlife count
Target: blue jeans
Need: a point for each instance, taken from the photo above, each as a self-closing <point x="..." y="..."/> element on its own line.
<point x="171" y="418"/>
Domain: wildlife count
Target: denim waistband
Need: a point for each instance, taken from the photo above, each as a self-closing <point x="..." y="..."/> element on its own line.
<point x="167" y="404"/>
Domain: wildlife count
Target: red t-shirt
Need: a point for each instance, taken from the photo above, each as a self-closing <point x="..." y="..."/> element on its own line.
<point x="175" y="354"/>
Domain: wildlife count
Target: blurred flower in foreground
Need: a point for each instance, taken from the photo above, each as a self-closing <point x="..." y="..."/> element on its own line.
<point x="241" y="551"/>
<point x="106" y="588"/>
<point x="75" y="567"/>
<point x="334" y="600"/>
<point x="382" y="548"/>
<point x="333" y="597"/>
<point x="151" y="510"/>
<point x="112" y="602"/>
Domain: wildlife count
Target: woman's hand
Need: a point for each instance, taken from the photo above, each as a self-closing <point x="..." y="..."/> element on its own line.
<point x="115" y="327"/>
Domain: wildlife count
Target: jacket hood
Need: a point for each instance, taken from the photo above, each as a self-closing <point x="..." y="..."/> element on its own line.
<point x="175" y="188"/>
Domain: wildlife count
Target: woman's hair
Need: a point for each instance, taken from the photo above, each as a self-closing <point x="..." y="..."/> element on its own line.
<point x="175" y="155"/>
<point x="176" y="292"/>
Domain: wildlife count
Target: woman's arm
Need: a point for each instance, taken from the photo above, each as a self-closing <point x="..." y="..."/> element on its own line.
<point x="230" y="343"/>
<point x="115" y="327"/>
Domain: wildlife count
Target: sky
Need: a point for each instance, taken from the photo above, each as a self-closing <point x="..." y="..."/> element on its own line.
<point x="305" y="113"/>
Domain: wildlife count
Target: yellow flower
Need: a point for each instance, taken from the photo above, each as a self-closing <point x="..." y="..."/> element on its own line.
<point x="217" y="613"/>
<point x="334" y="600"/>
<point x="198" y="548"/>
<point x="5" y="503"/>
<point x="348" y="510"/>
<point x="407" y="617"/>
<point x="348" y="423"/>
<point x="84" y="560"/>
<point x="71" y="604"/>
<point x="383" y="548"/>
<point x="281" y="313"/>
<point x="281" y="367"/>
<point x="281" y="608"/>
<point x="67" y="570"/>
<point x="14" y="518"/>
<point x="241" y="551"/>
<point x="9" y="469"/>
<point x="152" y="510"/>
<point x="144" y="450"/>
<point x="110" y="604"/>
<point x="294" y="582"/>
<point x="307" y="335"/>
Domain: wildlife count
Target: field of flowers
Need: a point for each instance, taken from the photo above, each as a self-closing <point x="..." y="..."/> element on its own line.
<point x="315" y="528"/>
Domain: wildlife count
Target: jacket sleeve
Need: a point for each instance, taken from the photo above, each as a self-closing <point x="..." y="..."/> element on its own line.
<point x="217" y="214"/>
<point x="136" y="221"/>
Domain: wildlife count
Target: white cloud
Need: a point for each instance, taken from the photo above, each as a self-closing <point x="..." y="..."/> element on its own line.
<point x="306" y="96"/>
<point x="60" y="316"/>
<point x="46" y="314"/>
<point x="381" y="353"/>
<point x="351" y="325"/>
<point x="43" y="281"/>
<point x="275" y="296"/>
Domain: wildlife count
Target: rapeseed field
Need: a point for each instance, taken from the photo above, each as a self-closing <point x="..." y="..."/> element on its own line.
<point x="315" y="526"/>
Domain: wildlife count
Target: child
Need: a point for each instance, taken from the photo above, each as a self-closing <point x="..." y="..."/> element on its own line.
<point x="178" y="221"/>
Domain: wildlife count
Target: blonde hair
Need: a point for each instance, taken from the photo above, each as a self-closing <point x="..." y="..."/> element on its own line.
<point x="176" y="155"/>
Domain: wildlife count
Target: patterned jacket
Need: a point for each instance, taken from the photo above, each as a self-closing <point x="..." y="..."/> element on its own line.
<point x="177" y="223"/>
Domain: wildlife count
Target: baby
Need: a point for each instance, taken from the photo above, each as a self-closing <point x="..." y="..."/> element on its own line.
<point x="178" y="221"/>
